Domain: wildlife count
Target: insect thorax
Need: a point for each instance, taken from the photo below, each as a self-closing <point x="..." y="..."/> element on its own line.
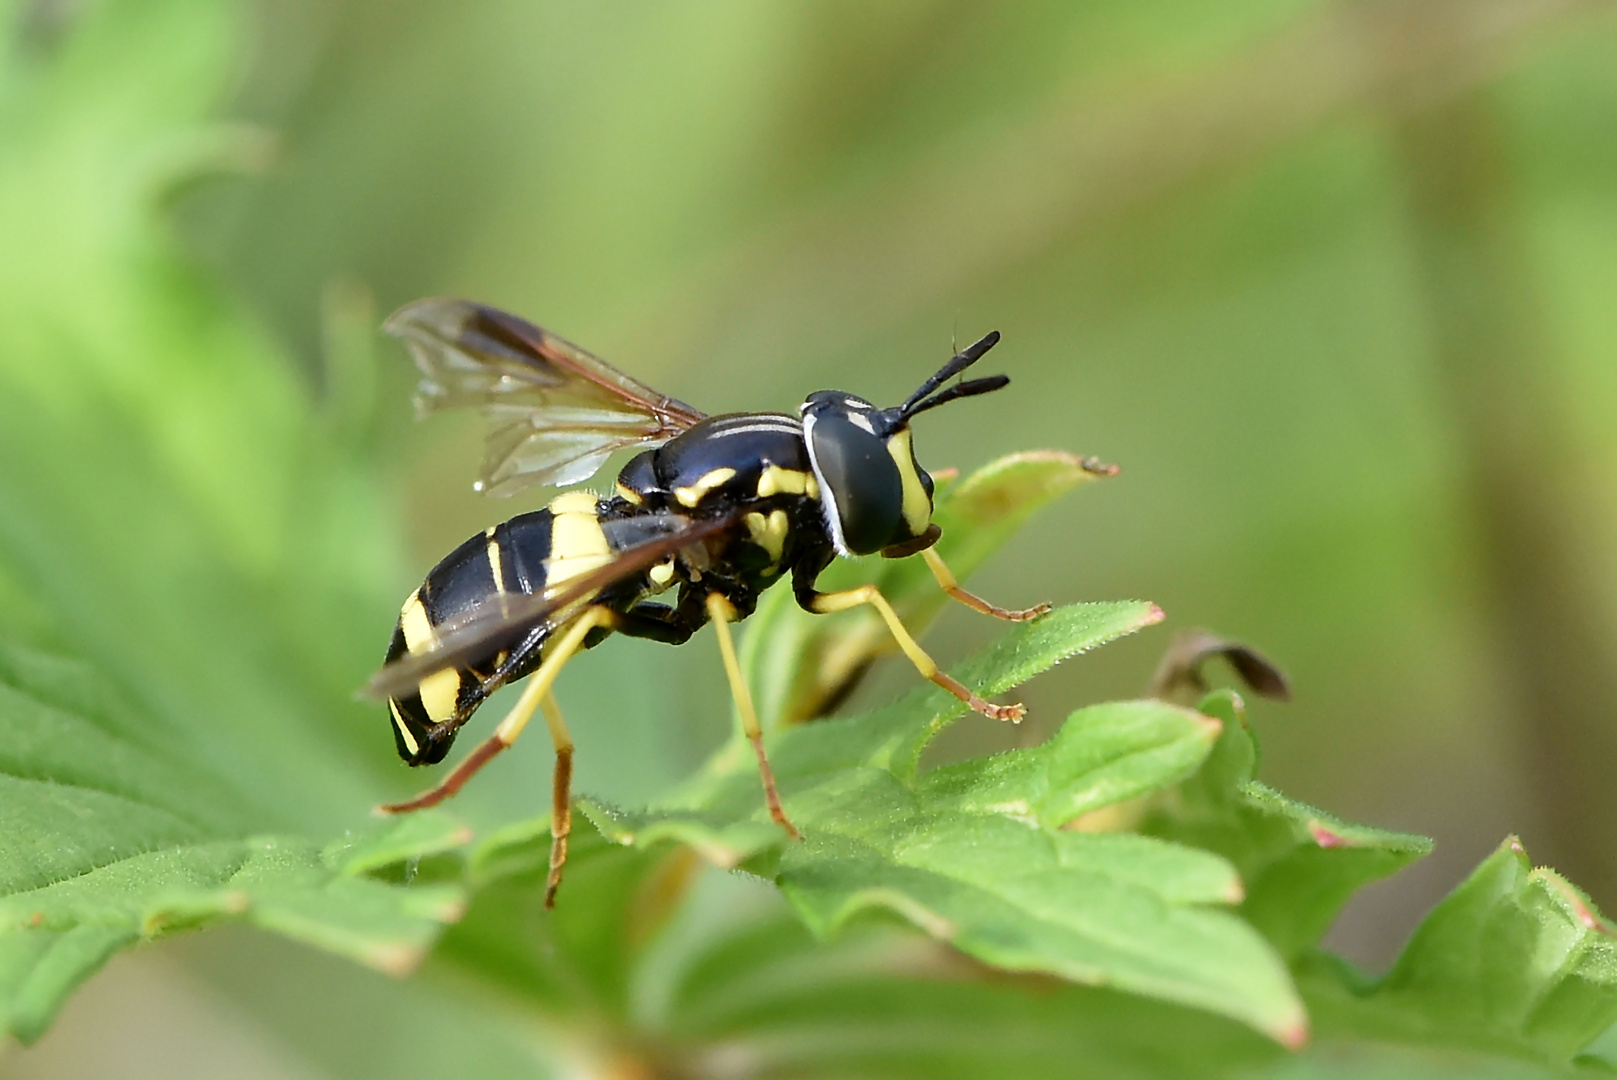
<point x="752" y="463"/>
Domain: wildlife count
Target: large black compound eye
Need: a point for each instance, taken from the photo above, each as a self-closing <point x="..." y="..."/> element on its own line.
<point x="860" y="486"/>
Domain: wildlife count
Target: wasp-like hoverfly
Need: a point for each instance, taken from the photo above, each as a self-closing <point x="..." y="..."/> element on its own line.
<point x="718" y="507"/>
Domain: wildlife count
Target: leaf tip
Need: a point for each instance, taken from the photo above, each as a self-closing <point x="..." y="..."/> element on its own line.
<point x="1514" y="845"/>
<point x="1235" y="891"/>
<point x="1327" y="837"/>
<point x="1153" y="616"/>
<point x="1294" y="1036"/>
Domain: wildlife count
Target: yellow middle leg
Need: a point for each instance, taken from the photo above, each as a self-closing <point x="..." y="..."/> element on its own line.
<point x="722" y="613"/>
<point x="561" y="801"/>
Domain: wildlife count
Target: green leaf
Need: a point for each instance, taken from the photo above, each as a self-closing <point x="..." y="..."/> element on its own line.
<point x="1515" y="960"/>
<point x="209" y="543"/>
<point x="578" y="957"/>
<point x="174" y="517"/>
<point x="726" y="793"/>
<point x="1300" y="865"/>
<point x="875" y="1003"/>
<point x="171" y="497"/>
<point x="1372" y="1061"/>
<point x="799" y="665"/>
<point x="109" y="841"/>
<point x="976" y="854"/>
<point x="901" y="1009"/>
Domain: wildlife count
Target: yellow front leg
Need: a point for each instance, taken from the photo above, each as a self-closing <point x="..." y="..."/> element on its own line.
<point x="825" y="603"/>
<point x="947" y="582"/>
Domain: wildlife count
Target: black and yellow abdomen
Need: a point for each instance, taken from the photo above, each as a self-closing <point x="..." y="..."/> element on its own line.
<point x="528" y="554"/>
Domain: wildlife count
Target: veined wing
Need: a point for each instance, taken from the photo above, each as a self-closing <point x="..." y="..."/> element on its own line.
<point x="556" y="411"/>
<point x="457" y="642"/>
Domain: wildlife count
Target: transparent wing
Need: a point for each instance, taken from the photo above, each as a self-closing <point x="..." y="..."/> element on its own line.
<point x="654" y="538"/>
<point x="555" y="411"/>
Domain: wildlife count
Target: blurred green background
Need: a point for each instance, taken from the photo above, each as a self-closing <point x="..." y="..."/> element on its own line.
<point x="1334" y="283"/>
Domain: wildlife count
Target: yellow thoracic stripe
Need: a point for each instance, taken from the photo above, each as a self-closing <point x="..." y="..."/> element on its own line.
<point x="691" y="496"/>
<point x="775" y="480"/>
<point x="769" y="532"/>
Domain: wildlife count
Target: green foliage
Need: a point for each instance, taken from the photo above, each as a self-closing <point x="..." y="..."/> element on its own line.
<point x="976" y="854"/>
<point x="1300" y="865"/>
<point x="109" y="841"/>
<point x="195" y="566"/>
<point x="1515" y="960"/>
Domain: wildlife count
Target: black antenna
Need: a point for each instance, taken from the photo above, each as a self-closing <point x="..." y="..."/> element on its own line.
<point x="958" y="363"/>
<point x="970" y="388"/>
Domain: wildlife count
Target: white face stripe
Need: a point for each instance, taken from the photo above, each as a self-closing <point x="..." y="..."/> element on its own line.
<point x="828" y="501"/>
